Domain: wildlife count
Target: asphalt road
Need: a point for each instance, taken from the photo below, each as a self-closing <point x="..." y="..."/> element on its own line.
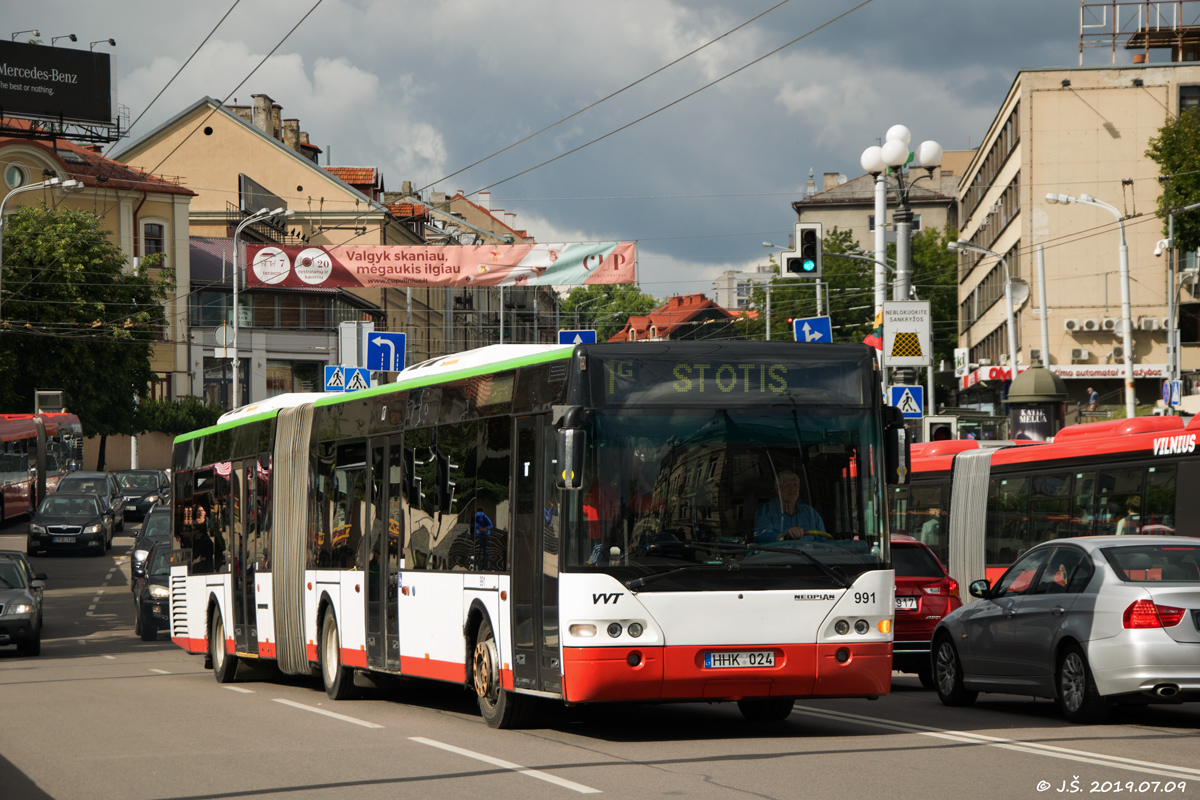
<point x="101" y="714"/>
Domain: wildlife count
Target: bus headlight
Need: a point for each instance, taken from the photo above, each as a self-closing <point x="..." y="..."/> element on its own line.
<point x="862" y="626"/>
<point x="614" y="629"/>
<point x="635" y="629"/>
<point x="582" y="631"/>
<point x="841" y="627"/>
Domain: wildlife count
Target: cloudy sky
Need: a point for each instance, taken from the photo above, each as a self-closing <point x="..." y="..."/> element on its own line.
<point x="423" y="90"/>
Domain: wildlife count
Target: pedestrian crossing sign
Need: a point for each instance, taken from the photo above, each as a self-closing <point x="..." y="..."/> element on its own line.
<point x="910" y="400"/>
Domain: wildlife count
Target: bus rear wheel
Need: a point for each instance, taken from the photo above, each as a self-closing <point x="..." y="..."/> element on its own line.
<point x="499" y="707"/>
<point x="224" y="665"/>
<point x="339" y="680"/>
<point x="766" y="709"/>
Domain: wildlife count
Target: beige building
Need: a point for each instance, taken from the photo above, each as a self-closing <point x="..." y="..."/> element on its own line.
<point x="1072" y="132"/>
<point x="145" y="214"/>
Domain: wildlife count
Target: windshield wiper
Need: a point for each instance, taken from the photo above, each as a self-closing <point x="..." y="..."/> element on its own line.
<point x="835" y="575"/>
<point x="638" y="583"/>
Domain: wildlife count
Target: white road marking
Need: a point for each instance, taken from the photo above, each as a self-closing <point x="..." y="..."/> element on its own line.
<point x="1031" y="748"/>
<point x="323" y="712"/>
<point x="238" y="689"/>
<point x="160" y="671"/>
<point x="496" y="762"/>
<point x="114" y="658"/>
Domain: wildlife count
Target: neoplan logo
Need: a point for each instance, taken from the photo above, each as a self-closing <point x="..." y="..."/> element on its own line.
<point x="606" y="597"/>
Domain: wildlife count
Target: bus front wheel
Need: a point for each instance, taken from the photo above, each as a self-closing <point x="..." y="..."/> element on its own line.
<point x="499" y="707"/>
<point x="339" y="680"/>
<point x="224" y="665"/>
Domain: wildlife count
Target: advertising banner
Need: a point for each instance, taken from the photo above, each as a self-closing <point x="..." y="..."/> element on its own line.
<point x="49" y="82"/>
<point x="404" y="265"/>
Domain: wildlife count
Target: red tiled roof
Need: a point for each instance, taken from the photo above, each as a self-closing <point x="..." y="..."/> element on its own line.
<point x="669" y="319"/>
<point x="407" y="211"/>
<point x="354" y="175"/>
<point x="92" y="169"/>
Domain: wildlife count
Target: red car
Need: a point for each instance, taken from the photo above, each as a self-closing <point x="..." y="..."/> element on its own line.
<point x="924" y="594"/>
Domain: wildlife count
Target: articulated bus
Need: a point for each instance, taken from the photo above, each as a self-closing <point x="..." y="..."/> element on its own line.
<point x="979" y="505"/>
<point x="35" y="451"/>
<point x="568" y="522"/>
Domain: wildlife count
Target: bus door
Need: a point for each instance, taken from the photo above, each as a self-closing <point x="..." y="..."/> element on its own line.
<point x="535" y="562"/>
<point x="383" y="528"/>
<point x="245" y="546"/>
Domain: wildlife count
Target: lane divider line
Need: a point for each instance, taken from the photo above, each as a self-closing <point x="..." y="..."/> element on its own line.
<point x="238" y="689"/>
<point x="332" y="714"/>
<point x="496" y="762"/>
<point x="1033" y="748"/>
<point x="160" y="671"/>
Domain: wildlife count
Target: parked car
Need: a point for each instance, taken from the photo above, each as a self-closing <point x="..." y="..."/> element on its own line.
<point x="20" y="611"/>
<point x="105" y="485"/>
<point x="1086" y="621"/>
<point x="143" y="488"/>
<point x="925" y="594"/>
<point x="155" y="528"/>
<point x="70" y="521"/>
<point x="37" y="580"/>
<point x="151" y="596"/>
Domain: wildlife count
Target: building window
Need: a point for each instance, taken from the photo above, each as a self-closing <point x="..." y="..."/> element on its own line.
<point x="871" y="222"/>
<point x="218" y="381"/>
<point x="1189" y="97"/>
<point x="155" y="238"/>
<point x="16" y="176"/>
<point x="916" y="223"/>
<point x="284" y="377"/>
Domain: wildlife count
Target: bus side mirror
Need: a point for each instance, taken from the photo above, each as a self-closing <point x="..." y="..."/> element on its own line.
<point x="571" y="444"/>
<point x="896" y="455"/>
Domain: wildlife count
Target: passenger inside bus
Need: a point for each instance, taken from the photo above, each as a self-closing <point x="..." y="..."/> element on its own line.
<point x="785" y="517"/>
<point x="1131" y="522"/>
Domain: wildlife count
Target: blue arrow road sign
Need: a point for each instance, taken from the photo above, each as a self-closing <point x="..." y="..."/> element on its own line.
<point x="813" y="329"/>
<point x="576" y="337"/>
<point x="910" y="400"/>
<point x="335" y="379"/>
<point x="385" y="352"/>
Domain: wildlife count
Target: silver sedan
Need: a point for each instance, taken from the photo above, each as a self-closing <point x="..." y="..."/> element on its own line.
<point x="1087" y="621"/>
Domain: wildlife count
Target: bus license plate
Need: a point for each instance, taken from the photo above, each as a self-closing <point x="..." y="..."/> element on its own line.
<point x="747" y="658"/>
<point x="64" y="540"/>
<point x="906" y="604"/>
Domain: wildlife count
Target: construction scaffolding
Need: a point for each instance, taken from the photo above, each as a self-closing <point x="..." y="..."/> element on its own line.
<point x="1132" y="25"/>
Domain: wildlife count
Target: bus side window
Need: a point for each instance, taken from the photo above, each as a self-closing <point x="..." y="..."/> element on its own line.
<point x="1158" y="511"/>
<point x="1083" y="507"/>
<point x="1049" y="507"/>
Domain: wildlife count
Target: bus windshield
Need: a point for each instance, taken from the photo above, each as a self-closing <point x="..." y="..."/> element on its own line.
<point x="701" y="499"/>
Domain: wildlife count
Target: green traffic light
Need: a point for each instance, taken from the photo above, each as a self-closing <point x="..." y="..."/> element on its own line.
<point x="808" y="265"/>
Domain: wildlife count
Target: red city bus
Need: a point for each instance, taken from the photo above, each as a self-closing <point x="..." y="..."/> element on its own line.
<point x="35" y="451"/>
<point x="979" y="505"/>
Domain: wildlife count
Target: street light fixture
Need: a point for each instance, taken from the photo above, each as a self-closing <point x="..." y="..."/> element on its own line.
<point x="34" y="31"/>
<point x="963" y="244"/>
<point x="1123" y="260"/>
<point x="69" y="186"/>
<point x="70" y="36"/>
<point x="111" y="43"/>
<point x="891" y="158"/>
<point x="259" y="215"/>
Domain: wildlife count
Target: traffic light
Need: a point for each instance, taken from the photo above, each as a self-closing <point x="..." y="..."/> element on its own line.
<point x="806" y="261"/>
<point x="940" y="429"/>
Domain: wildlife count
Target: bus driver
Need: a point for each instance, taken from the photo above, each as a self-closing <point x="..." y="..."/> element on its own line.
<point x="785" y="517"/>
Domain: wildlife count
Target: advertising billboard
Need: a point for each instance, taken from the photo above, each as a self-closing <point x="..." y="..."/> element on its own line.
<point x="55" y="83"/>
<point x="476" y="265"/>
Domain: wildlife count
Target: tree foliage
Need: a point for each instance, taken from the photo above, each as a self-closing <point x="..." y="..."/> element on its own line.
<point x="175" y="417"/>
<point x="75" y="318"/>
<point x="605" y="307"/>
<point x="1176" y="150"/>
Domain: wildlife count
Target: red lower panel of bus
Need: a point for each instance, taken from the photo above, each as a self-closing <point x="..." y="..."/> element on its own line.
<point x="191" y="645"/>
<point x="604" y="674"/>
<point x="432" y="668"/>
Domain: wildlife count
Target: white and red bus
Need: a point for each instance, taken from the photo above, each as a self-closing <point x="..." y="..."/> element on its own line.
<point x="979" y="505"/>
<point x="35" y="451"/>
<point x="570" y="522"/>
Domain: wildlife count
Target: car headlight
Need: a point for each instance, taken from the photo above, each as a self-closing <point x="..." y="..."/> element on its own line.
<point x="140" y="555"/>
<point x="38" y="529"/>
<point x="92" y="529"/>
<point x="152" y="498"/>
<point x="20" y="608"/>
<point x="159" y="592"/>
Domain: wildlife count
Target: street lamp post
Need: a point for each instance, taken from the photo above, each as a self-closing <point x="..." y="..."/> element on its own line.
<point x="891" y="158"/>
<point x="1123" y="260"/>
<point x="1173" y="366"/>
<point x="70" y="186"/>
<point x="962" y="244"/>
<point x="772" y="275"/>
<point x="257" y="216"/>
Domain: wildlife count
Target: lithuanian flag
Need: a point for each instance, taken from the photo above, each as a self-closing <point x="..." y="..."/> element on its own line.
<point x="875" y="337"/>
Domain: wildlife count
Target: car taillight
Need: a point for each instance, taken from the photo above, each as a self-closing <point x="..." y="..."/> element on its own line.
<point x="1146" y="614"/>
<point x="953" y="587"/>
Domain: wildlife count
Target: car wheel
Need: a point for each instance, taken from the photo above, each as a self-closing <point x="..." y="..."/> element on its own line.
<point x="926" y="677"/>
<point x="499" y="707"/>
<point x="33" y="648"/>
<point x="146" y="628"/>
<point x="137" y="618"/>
<point x="766" y="709"/>
<point x="1078" y="698"/>
<point x="339" y="680"/>
<point x="948" y="675"/>
<point x="224" y="665"/>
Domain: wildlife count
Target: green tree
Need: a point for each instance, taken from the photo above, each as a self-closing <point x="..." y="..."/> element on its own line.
<point x="1176" y="150"/>
<point x="75" y="318"/>
<point x="183" y="415"/>
<point x="935" y="278"/>
<point x="605" y="307"/>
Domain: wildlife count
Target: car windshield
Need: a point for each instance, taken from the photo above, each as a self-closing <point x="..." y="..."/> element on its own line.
<point x="157" y="526"/>
<point x="138" y="480"/>
<point x="915" y="562"/>
<point x="690" y="496"/>
<point x="160" y="563"/>
<point x="70" y="506"/>
<point x="1155" y="562"/>
<point x="11" y="575"/>
<point x="81" y="485"/>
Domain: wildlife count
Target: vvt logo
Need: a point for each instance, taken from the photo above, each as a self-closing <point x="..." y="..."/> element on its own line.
<point x="606" y="598"/>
